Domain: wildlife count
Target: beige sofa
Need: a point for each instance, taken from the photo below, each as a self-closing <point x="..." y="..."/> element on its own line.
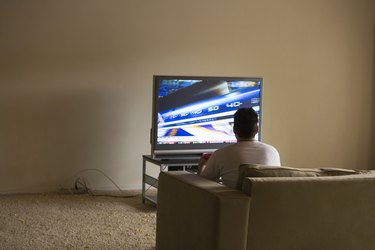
<point x="283" y="208"/>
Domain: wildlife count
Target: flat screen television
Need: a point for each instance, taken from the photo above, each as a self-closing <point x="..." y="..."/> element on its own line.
<point x="192" y="115"/>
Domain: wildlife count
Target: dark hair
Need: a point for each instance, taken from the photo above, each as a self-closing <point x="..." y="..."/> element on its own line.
<point x="245" y="123"/>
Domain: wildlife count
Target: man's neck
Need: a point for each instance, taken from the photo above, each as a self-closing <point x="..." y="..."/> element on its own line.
<point x="245" y="139"/>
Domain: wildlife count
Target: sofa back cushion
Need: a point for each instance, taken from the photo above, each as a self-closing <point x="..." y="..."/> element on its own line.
<point x="340" y="171"/>
<point x="252" y="170"/>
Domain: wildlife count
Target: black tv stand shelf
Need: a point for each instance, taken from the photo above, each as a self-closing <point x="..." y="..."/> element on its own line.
<point x="164" y="164"/>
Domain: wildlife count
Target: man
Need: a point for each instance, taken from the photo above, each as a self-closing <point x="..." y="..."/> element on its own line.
<point x="224" y="163"/>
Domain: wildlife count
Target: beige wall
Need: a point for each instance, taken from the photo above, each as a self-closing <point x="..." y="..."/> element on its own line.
<point x="372" y="143"/>
<point x="76" y="80"/>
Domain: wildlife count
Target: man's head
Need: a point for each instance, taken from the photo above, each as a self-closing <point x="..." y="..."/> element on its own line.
<point x="245" y="123"/>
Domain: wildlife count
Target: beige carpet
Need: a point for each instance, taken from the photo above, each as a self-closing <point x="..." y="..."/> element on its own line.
<point x="66" y="221"/>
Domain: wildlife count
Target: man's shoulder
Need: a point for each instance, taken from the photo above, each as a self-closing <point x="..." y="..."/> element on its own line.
<point x="224" y="151"/>
<point x="264" y="145"/>
<point x="226" y="148"/>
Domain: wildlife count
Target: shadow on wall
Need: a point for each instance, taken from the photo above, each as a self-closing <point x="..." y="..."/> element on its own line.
<point x="50" y="135"/>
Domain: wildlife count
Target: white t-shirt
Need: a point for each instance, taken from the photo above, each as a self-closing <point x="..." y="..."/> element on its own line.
<point x="224" y="162"/>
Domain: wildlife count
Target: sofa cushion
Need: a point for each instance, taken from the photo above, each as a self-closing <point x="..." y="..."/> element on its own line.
<point x="329" y="212"/>
<point x="251" y="170"/>
<point x="340" y="171"/>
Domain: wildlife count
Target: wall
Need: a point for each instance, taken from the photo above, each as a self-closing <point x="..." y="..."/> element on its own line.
<point x="372" y="147"/>
<point x="76" y="80"/>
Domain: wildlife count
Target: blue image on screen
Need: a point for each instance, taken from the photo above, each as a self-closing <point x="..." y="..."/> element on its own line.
<point x="199" y="111"/>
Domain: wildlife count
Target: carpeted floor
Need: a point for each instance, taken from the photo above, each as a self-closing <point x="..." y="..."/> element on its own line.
<point x="66" y="221"/>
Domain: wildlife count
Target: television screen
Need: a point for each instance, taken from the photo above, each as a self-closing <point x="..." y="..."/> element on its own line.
<point x="192" y="115"/>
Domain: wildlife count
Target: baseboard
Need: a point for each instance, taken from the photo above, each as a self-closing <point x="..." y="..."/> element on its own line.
<point x="60" y="189"/>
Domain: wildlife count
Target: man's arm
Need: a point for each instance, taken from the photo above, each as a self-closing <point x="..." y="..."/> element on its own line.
<point x="208" y="167"/>
<point x="203" y="162"/>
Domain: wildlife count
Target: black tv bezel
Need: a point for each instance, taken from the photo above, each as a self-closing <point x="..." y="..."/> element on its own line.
<point x="162" y="150"/>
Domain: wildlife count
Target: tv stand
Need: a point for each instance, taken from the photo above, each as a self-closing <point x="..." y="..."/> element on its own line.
<point x="150" y="180"/>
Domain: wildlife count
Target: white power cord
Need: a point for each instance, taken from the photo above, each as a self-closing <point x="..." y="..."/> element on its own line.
<point x="81" y="181"/>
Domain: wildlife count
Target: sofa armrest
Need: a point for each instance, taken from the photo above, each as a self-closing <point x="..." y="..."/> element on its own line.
<point x="197" y="213"/>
